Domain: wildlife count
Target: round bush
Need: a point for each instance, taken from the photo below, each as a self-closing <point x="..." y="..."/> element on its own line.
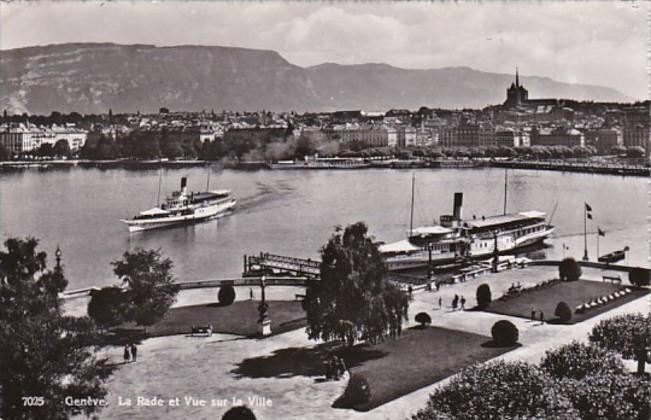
<point x="240" y="412"/>
<point x="423" y="319"/>
<point x="569" y="270"/>
<point x="226" y="295"/>
<point x="504" y="333"/>
<point x="483" y="295"/>
<point x="639" y="277"/>
<point x="563" y="311"/>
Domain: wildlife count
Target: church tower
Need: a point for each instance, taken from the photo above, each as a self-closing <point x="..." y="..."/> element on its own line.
<point x="516" y="94"/>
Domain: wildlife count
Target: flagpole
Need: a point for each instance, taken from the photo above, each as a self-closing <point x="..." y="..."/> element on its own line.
<point x="598" y="243"/>
<point x="585" y="232"/>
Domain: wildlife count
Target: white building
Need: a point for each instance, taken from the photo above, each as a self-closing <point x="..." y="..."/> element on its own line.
<point x="26" y="138"/>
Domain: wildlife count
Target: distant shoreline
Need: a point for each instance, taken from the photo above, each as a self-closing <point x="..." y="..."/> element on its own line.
<point x="559" y="166"/>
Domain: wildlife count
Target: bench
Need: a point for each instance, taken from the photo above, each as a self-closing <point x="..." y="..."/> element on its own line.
<point x="613" y="278"/>
<point x="202" y="331"/>
<point x="299" y="296"/>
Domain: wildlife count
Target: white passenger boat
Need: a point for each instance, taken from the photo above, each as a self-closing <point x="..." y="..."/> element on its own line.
<point x="456" y="239"/>
<point x="181" y="207"/>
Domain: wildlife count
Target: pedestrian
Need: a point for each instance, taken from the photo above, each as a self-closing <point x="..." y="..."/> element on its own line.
<point x="440" y="302"/>
<point x="438" y="285"/>
<point x="533" y="314"/>
<point x="463" y="303"/>
<point x="542" y="317"/>
<point x="410" y="290"/>
<point x="455" y="302"/>
<point x="134" y="352"/>
<point x="250" y="293"/>
<point x="127" y="353"/>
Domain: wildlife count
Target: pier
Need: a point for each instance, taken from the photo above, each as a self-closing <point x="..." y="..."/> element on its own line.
<point x="266" y="262"/>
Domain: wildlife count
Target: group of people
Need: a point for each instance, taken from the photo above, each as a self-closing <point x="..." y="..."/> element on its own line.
<point x="130" y="353"/>
<point x="457" y="301"/>
<point x="541" y="315"/>
<point x="335" y="368"/>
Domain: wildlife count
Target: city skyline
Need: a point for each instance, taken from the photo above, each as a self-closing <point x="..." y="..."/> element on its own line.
<point x="588" y="43"/>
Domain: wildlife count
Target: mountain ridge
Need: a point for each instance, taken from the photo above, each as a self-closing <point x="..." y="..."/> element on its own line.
<point x="95" y="77"/>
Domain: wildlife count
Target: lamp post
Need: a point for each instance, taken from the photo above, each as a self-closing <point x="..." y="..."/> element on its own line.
<point x="264" y="321"/>
<point x="57" y="255"/>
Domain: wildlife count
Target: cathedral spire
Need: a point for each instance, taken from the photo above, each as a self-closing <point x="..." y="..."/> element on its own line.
<point x="517" y="77"/>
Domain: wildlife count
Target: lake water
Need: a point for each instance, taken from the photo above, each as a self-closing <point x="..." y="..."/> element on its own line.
<point x="294" y="212"/>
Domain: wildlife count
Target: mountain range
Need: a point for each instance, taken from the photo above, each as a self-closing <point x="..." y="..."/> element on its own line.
<point x="93" y="77"/>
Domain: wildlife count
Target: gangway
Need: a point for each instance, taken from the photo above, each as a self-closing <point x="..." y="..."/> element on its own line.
<point x="267" y="261"/>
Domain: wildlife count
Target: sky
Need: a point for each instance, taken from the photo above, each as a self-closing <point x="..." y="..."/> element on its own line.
<point x="603" y="43"/>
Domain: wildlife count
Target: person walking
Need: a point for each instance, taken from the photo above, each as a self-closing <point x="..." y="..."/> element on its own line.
<point x="542" y="317"/>
<point x="438" y="286"/>
<point x="134" y="352"/>
<point x="440" y="302"/>
<point x="463" y="303"/>
<point x="127" y="353"/>
<point x="533" y="314"/>
<point x="250" y="293"/>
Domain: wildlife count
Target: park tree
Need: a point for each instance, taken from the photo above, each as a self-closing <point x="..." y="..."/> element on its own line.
<point x="107" y="306"/>
<point x="354" y="300"/>
<point x="483" y="295"/>
<point x="639" y="276"/>
<point x="46" y="150"/>
<point x="150" y="288"/>
<point x="62" y="148"/>
<point x="498" y="390"/>
<point x="629" y="335"/>
<point x="504" y="333"/>
<point x="569" y="270"/>
<point x="44" y="355"/>
<point x="635" y="152"/>
<point x="578" y="360"/>
<point x="5" y="154"/>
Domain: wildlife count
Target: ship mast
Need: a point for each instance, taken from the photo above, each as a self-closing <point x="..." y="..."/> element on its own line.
<point x="160" y="178"/>
<point x="505" y="189"/>
<point x="208" y="180"/>
<point x="411" y="216"/>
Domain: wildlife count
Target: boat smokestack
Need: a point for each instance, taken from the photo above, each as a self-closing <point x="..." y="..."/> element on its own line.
<point x="184" y="185"/>
<point x="458" y="206"/>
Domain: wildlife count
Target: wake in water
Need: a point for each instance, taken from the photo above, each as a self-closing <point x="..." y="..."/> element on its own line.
<point x="266" y="194"/>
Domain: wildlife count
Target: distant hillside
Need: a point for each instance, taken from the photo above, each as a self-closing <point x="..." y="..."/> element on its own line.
<point x="91" y="78"/>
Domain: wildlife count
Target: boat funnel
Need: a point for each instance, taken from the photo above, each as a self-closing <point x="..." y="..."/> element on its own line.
<point x="458" y="206"/>
<point x="184" y="185"/>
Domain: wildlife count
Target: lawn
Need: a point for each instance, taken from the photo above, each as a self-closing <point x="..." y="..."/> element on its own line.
<point x="239" y="318"/>
<point x="573" y="293"/>
<point x="418" y="358"/>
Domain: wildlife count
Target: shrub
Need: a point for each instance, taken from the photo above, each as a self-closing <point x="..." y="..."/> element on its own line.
<point x="226" y="295"/>
<point x="627" y="334"/>
<point x="107" y="306"/>
<point x="240" y="412"/>
<point x="423" y="319"/>
<point x="639" y="277"/>
<point x="577" y="360"/>
<point x="563" y="311"/>
<point x="489" y="391"/>
<point x="483" y="295"/>
<point x="569" y="270"/>
<point x="504" y="333"/>
<point x="357" y="392"/>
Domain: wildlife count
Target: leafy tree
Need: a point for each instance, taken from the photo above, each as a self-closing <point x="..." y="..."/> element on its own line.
<point x="150" y="284"/>
<point x="172" y="150"/>
<point x="483" y="295"/>
<point x="569" y="270"/>
<point x="46" y="150"/>
<point x="354" y="300"/>
<point x="563" y="311"/>
<point x="43" y="353"/>
<point x="499" y="390"/>
<point x="240" y="412"/>
<point x="107" y="306"/>
<point x="628" y="335"/>
<point x="578" y="360"/>
<point x="5" y="154"/>
<point x="639" y="276"/>
<point x="62" y="148"/>
<point x="635" y="152"/>
<point x="504" y="333"/>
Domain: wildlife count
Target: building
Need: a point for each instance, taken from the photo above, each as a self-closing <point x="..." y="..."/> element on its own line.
<point x="516" y="94"/>
<point x="361" y="136"/>
<point x="27" y="138"/>
<point x="557" y="137"/>
<point x="505" y="137"/>
<point x="603" y="139"/>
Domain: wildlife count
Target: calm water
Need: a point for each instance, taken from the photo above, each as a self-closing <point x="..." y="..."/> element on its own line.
<point x="294" y="212"/>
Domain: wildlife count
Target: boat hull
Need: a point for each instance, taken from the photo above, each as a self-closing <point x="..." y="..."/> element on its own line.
<point x="198" y="215"/>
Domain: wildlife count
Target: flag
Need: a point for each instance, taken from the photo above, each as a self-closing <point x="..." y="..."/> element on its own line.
<point x="601" y="232"/>
<point x="589" y="216"/>
<point x="587" y="207"/>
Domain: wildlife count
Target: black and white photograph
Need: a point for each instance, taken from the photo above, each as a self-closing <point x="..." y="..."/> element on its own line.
<point x="325" y="210"/>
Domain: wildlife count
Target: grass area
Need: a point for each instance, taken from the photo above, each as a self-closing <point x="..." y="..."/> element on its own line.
<point x="240" y="318"/>
<point x="418" y="358"/>
<point x="573" y="293"/>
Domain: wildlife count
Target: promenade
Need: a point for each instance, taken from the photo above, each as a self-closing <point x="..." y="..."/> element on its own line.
<point x="226" y="366"/>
